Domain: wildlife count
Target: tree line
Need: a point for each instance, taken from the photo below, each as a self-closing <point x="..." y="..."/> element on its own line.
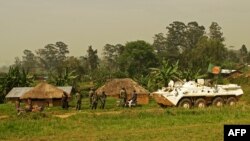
<point x="182" y="52"/>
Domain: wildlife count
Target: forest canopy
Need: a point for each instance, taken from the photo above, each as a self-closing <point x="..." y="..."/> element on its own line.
<point x="183" y="51"/>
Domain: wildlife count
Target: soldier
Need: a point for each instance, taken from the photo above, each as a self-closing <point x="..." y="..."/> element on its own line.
<point x="78" y="101"/>
<point x="91" y="93"/>
<point x="94" y="101"/>
<point x="62" y="101"/>
<point x="103" y="99"/>
<point x="123" y="97"/>
<point x="133" y="100"/>
<point x="65" y="100"/>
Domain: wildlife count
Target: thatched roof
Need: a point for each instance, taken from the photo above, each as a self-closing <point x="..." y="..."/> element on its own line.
<point x="17" y="92"/>
<point x="114" y="86"/>
<point x="43" y="91"/>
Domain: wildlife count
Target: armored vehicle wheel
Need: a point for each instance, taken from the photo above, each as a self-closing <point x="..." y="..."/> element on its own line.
<point x="218" y="102"/>
<point x="200" y="103"/>
<point x="185" y="103"/>
<point x="231" y="101"/>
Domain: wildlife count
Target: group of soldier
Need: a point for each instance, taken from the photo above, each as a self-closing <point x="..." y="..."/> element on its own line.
<point x="94" y="98"/>
<point x="124" y="98"/>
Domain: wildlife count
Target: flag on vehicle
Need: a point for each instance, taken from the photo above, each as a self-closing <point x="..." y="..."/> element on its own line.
<point x="213" y="69"/>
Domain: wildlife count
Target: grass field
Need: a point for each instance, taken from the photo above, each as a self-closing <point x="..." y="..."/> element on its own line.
<point x="149" y="122"/>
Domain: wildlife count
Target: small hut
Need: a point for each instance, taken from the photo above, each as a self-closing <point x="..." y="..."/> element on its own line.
<point x="44" y="94"/>
<point x="113" y="87"/>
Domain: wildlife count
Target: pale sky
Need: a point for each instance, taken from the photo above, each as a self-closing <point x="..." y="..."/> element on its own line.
<point x="32" y="24"/>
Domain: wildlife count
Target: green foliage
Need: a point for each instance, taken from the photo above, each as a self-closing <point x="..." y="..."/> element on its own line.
<point x="176" y="34"/>
<point x="184" y="36"/>
<point x="29" y="61"/>
<point x="186" y="43"/>
<point x="207" y="51"/>
<point x="64" y="79"/>
<point x="194" y="33"/>
<point x="242" y="80"/>
<point x="120" y="74"/>
<point x="7" y="109"/>
<point x="246" y="90"/>
<point x="159" y="77"/>
<point x="92" y="58"/>
<point x="151" y="123"/>
<point x="33" y="116"/>
<point x="16" y="77"/>
<point x="52" y="56"/>
<point x="243" y="54"/>
<point x="190" y="74"/>
<point x="110" y="56"/>
<point x="146" y="122"/>
<point x="77" y="65"/>
<point x="99" y="77"/>
<point x="137" y="57"/>
<point x="160" y="43"/>
<point x="215" y="32"/>
<point x="142" y="80"/>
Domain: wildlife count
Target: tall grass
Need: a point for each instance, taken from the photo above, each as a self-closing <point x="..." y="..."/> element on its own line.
<point x="149" y="122"/>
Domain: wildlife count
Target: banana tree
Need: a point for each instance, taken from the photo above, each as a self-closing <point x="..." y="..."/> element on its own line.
<point x="63" y="79"/>
<point x="160" y="77"/>
<point x="16" y="77"/>
<point x="191" y="74"/>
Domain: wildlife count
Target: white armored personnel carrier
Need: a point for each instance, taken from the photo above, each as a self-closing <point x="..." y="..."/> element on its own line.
<point x="191" y="94"/>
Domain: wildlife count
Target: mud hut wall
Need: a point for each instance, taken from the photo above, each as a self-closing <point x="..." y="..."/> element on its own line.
<point x="38" y="102"/>
<point x="142" y="98"/>
<point x="45" y="102"/>
<point x="50" y="101"/>
<point x="113" y="87"/>
<point x="57" y="102"/>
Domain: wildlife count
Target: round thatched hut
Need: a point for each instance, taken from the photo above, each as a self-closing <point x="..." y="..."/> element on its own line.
<point x="44" y="94"/>
<point x="113" y="87"/>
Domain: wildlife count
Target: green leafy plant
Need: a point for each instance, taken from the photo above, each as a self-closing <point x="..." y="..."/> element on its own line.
<point x="16" y="77"/>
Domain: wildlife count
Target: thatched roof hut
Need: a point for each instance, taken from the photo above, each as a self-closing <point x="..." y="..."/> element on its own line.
<point x="45" y="93"/>
<point x="113" y="87"/>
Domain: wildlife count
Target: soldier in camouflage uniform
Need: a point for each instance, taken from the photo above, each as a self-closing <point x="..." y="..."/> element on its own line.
<point x="123" y="97"/>
<point x="94" y="101"/>
<point x="65" y="104"/>
<point x="133" y="100"/>
<point x="78" y="101"/>
<point x="103" y="99"/>
<point x="91" y="93"/>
